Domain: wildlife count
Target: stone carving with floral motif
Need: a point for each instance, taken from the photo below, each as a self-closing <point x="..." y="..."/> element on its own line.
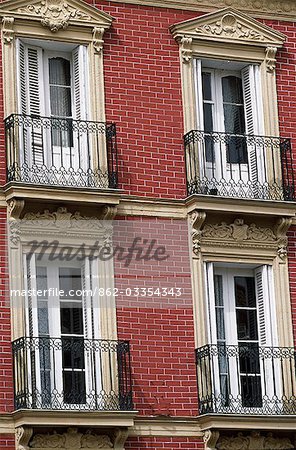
<point x="54" y="14"/>
<point x="71" y="440"/>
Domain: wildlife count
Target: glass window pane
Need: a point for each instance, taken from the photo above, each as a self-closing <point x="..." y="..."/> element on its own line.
<point x="247" y="324"/>
<point x="232" y="89"/>
<point x="60" y="101"/>
<point x="43" y="328"/>
<point x="70" y="282"/>
<point x="234" y="119"/>
<point x="245" y="295"/>
<point x="74" y="387"/>
<point x="218" y="290"/>
<point x="41" y="281"/>
<point x="206" y="86"/>
<point x="208" y="117"/>
<point x="59" y="71"/>
<point x="73" y="353"/>
<point x="71" y="318"/>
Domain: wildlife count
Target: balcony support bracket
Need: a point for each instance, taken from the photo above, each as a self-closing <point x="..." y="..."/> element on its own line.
<point x="210" y="439"/>
<point x="23" y="437"/>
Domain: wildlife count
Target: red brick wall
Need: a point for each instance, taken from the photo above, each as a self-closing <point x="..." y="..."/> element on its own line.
<point x="6" y="386"/>
<point x="154" y="443"/>
<point x="7" y="442"/>
<point x="143" y="96"/>
<point x="160" y="328"/>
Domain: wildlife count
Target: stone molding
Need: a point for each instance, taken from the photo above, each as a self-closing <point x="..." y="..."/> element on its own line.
<point x="271" y="9"/>
<point x="71" y="439"/>
<point x="56" y="14"/>
<point x="62" y="223"/>
<point x="253" y="441"/>
<point x="239" y="234"/>
<point x="228" y="25"/>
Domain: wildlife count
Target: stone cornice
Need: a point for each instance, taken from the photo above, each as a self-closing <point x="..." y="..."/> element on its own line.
<point x="276" y="9"/>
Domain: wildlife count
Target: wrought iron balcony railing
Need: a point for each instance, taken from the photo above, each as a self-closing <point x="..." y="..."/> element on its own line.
<point x="246" y="379"/>
<point x="71" y="373"/>
<point x="243" y="166"/>
<point x="61" y="152"/>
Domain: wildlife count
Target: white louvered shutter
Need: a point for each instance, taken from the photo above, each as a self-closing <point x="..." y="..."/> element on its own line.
<point x="31" y="101"/>
<point x="80" y="69"/>
<point x="198" y="96"/>
<point x="254" y="122"/>
<point x="263" y="285"/>
<point x="210" y="296"/>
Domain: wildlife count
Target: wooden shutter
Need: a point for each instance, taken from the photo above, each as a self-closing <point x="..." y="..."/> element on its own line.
<point x="199" y="96"/>
<point x="31" y="101"/>
<point x="264" y="296"/>
<point x="31" y="298"/>
<point x="254" y="123"/>
<point x="80" y="69"/>
<point x="210" y="296"/>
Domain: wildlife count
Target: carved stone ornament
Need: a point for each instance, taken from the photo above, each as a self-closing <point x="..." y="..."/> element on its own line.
<point x="7" y="29"/>
<point x="238" y="232"/>
<point x="55" y="14"/>
<point x="229" y="26"/>
<point x="186" y="49"/>
<point x="210" y="439"/>
<point x="254" y="441"/>
<point x="98" y="42"/>
<point x="22" y="437"/>
<point x="72" y="439"/>
<point x="197" y="219"/>
<point x="62" y="224"/>
<point x="270" y="58"/>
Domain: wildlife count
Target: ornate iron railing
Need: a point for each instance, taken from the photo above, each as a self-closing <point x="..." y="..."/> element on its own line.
<point x="71" y="373"/>
<point x="246" y="379"/>
<point x="243" y="166"/>
<point x="61" y="152"/>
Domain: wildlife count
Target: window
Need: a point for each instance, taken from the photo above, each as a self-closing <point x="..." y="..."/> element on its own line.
<point x="65" y="320"/>
<point x="54" y="85"/>
<point x="241" y="315"/>
<point x="56" y="132"/>
<point x="231" y="126"/>
<point x="229" y="105"/>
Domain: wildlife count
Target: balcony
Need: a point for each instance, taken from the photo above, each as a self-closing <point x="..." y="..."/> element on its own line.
<point x="53" y="151"/>
<point x="239" y="166"/>
<point x="246" y="379"/>
<point x="72" y="373"/>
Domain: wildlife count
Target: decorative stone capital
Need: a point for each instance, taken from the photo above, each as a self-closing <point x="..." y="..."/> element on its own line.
<point x="270" y="59"/>
<point x="109" y="212"/>
<point x="120" y="436"/>
<point x="196" y="219"/>
<point x="186" y="49"/>
<point x="22" y="438"/>
<point x="15" y="208"/>
<point x="98" y="42"/>
<point x="7" y="30"/>
<point x="281" y="229"/>
<point x="210" y="439"/>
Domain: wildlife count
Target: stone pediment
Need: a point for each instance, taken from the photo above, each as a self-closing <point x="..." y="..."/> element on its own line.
<point x="228" y="25"/>
<point x="56" y="14"/>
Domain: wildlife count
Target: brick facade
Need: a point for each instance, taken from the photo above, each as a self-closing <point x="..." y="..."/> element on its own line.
<point x="143" y="95"/>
